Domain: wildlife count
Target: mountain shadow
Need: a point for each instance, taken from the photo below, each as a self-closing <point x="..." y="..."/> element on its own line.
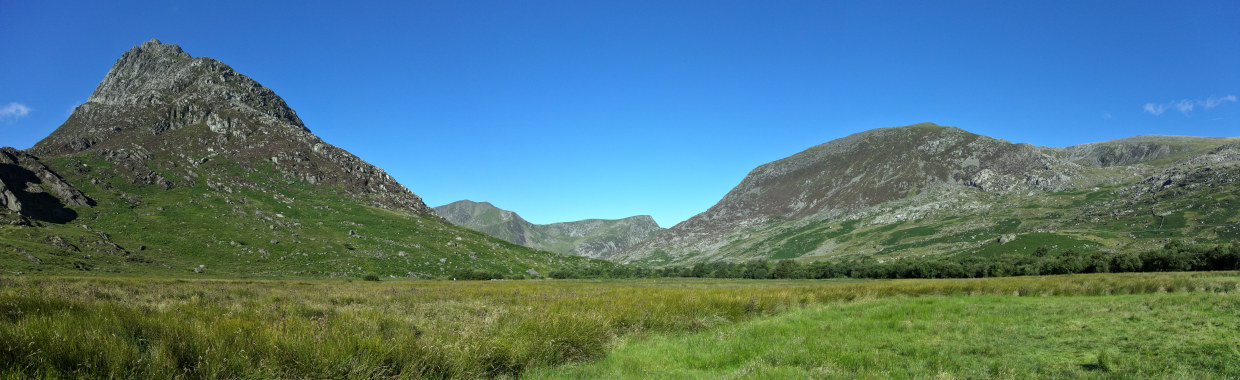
<point x="32" y="190"/>
<point x="30" y="200"/>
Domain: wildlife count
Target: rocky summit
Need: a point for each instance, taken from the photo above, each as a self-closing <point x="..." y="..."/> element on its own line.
<point x="929" y="190"/>
<point x="180" y="164"/>
<point x="596" y="238"/>
<point x="158" y="101"/>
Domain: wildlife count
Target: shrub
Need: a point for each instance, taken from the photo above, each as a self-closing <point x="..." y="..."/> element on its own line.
<point x="371" y="277"/>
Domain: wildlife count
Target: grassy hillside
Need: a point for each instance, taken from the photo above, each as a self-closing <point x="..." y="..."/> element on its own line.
<point x="927" y="190"/>
<point x="198" y="170"/>
<point x="162" y="328"/>
<point x="251" y="222"/>
<point x="949" y="221"/>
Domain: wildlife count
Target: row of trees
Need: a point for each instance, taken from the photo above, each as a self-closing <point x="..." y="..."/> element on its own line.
<point x="1175" y="256"/>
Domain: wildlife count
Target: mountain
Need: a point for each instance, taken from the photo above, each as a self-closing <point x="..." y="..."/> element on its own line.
<point x="590" y="238"/>
<point x="180" y="164"/>
<point x="929" y="190"/>
<point x="1148" y="149"/>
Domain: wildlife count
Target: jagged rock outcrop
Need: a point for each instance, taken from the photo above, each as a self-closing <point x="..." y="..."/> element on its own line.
<point x="188" y="162"/>
<point x="30" y="188"/>
<point x="1220" y="165"/>
<point x="590" y="238"/>
<point x="1137" y="149"/>
<point x="158" y="103"/>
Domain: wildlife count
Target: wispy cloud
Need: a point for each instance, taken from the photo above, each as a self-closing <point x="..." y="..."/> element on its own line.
<point x="1216" y="101"/>
<point x="14" y="110"/>
<point x="1185" y="105"/>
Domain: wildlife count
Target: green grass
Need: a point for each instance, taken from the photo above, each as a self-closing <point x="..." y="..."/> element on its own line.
<point x="801" y="240"/>
<point x="257" y="225"/>
<point x="912" y="232"/>
<point x="1111" y="215"/>
<point x="1113" y="336"/>
<point x="163" y="328"/>
<point x="1029" y="242"/>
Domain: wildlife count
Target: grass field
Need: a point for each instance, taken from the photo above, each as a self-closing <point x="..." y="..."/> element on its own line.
<point x="1113" y="325"/>
<point x="1180" y="335"/>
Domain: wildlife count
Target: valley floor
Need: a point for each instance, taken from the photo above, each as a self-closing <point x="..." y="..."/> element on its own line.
<point x="1182" y="325"/>
<point x="1179" y="335"/>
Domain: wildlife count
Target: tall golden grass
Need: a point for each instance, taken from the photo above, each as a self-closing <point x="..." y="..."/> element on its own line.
<point x="163" y="328"/>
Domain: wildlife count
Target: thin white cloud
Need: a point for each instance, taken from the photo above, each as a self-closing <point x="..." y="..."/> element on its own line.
<point x="1216" y="101"/>
<point x="1185" y="105"/>
<point x="14" y="110"/>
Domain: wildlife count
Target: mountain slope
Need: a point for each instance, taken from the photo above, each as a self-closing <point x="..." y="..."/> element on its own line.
<point x="926" y="189"/>
<point x="196" y="167"/>
<point x="590" y="237"/>
<point x="1148" y="149"/>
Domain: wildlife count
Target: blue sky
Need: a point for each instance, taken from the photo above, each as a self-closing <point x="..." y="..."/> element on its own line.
<point x="564" y="110"/>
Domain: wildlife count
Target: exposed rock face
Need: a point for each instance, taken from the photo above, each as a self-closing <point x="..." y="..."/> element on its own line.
<point x="158" y="104"/>
<point x="190" y="161"/>
<point x="860" y="171"/>
<point x="1138" y="149"/>
<point x="1220" y="165"/>
<point x="30" y="188"/>
<point x="591" y="237"/>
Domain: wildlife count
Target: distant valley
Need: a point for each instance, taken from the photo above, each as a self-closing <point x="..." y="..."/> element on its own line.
<point x="179" y="164"/>
<point x="595" y="238"/>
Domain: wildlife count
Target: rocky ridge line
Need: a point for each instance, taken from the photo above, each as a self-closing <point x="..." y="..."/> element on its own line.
<point x="177" y="112"/>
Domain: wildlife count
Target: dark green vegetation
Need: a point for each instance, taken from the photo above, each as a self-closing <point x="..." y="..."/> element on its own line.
<point x="1184" y="336"/>
<point x="152" y="328"/>
<point x="1175" y="256"/>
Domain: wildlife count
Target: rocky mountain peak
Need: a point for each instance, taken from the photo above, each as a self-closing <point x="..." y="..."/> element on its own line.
<point x="859" y="171"/>
<point x="643" y="219"/>
<point x="161" y="107"/>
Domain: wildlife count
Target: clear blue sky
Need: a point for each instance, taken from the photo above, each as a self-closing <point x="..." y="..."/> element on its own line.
<point x="604" y="109"/>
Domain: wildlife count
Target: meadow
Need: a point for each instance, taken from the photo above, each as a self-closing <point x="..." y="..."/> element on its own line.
<point x="1091" y="325"/>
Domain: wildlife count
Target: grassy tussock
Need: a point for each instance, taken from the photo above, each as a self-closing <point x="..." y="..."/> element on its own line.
<point x="158" y="328"/>
<point x="1169" y="335"/>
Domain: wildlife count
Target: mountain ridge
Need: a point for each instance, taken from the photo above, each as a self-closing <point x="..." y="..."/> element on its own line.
<point x="814" y="204"/>
<point x="588" y="237"/>
<point x="199" y="169"/>
<point x="157" y="88"/>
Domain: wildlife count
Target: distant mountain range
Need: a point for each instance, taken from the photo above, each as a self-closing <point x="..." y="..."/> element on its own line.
<point x="931" y="190"/>
<point x="590" y="237"/>
<point x="179" y="164"/>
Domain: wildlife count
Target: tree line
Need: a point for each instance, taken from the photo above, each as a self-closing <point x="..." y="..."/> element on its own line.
<point x="1174" y="256"/>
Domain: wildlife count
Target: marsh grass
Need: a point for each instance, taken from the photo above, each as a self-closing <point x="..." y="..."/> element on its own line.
<point x="163" y="328"/>
<point x="1167" y="335"/>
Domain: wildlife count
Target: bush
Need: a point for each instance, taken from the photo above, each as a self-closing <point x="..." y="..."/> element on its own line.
<point x="371" y="277"/>
<point x="476" y="275"/>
